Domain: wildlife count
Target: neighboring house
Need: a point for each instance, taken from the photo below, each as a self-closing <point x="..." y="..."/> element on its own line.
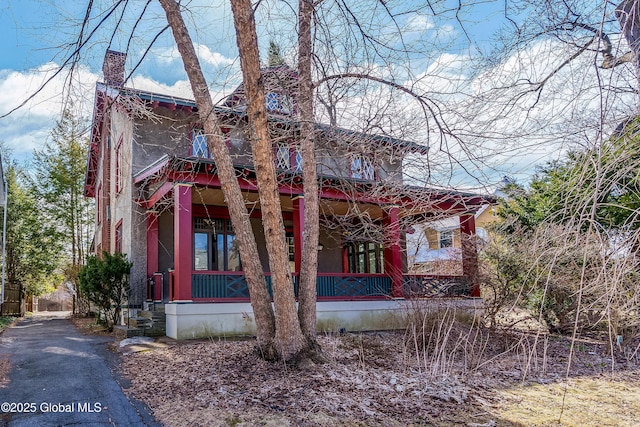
<point x="436" y="247"/>
<point x="158" y="199"/>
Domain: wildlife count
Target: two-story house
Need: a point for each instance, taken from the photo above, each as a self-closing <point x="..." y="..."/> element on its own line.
<point x="159" y="200"/>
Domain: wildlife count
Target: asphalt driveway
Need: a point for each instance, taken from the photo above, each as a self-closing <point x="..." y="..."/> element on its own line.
<point x="60" y="377"/>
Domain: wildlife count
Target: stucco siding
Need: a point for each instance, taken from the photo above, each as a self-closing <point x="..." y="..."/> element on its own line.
<point x="170" y="134"/>
<point x="330" y="257"/>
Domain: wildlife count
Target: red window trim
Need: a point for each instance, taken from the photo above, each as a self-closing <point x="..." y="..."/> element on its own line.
<point x="99" y="204"/>
<point x="118" y="165"/>
<point x="118" y="236"/>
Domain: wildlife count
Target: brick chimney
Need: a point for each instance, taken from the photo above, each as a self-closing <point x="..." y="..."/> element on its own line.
<point x="113" y="68"/>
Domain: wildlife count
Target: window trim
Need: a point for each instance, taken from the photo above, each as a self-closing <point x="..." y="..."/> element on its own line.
<point x="293" y="160"/>
<point x="99" y="204"/>
<point x="368" y="249"/>
<point x="198" y="131"/>
<point x="119" y="177"/>
<point x="277" y="102"/>
<point x="118" y="237"/>
<point x="212" y="242"/>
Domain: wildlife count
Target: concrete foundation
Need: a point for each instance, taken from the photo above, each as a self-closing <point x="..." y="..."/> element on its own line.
<point x="204" y="320"/>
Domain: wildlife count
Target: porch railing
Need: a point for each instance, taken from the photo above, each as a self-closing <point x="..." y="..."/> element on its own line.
<point x="232" y="285"/>
<point x="433" y="286"/>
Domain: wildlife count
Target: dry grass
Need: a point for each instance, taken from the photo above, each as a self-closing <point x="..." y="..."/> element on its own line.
<point x="5" y="366"/>
<point x="605" y="400"/>
<point x="88" y="325"/>
<point x="377" y="380"/>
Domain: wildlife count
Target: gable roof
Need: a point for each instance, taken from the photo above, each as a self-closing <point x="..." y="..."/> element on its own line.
<point x="280" y="80"/>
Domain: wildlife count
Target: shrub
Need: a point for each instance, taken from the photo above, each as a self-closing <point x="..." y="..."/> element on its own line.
<point x="105" y="282"/>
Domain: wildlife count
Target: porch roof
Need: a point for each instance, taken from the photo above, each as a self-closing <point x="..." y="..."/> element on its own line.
<point x="156" y="181"/>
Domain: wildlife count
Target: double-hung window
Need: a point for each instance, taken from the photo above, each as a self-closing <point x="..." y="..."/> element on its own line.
<point x="445" y="239"/>
<point x="119" y="173"/>
<point x="118" y="236"/>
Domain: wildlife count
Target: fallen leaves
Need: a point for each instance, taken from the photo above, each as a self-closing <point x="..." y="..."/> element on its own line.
<point x="370" y="379"/>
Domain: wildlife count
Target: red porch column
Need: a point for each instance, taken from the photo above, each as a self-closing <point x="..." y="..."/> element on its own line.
<point x="393" y="250"/>
<point x="152" y="252"/>
<point x="298" y="230"/>
<point x="182" y="241"/>
<point x="469" y="252"/>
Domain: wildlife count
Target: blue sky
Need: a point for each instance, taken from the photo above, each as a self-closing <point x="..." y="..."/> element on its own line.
<point x="39" y="34"/>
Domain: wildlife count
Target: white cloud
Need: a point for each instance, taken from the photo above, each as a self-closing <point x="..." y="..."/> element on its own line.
<point x="29" y="126"/>
<point x="499" y="125"/>
<point x="419" y="23"/>
<point x="170" y="57"/>
<point x="181" y="88"/>
<point x="213" y="58"/>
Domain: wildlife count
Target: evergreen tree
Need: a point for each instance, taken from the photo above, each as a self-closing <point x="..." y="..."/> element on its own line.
<point x="33" y="243"/>
<point x="59" y="170"/>
<point x="275" y="57"/>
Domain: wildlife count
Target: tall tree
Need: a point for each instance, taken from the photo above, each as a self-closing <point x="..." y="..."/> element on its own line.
<point x="32" y="241"/>
<point x="274" y="58"/>
<point x="59" y="169"/>
<point x="289" y="337"/>
<point x="260" y="299"/>
<point x="280" y="334"/>
<point x="309" y="267"/>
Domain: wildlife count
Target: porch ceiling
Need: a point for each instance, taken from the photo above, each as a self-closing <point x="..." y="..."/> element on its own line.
<point x="328" y="207"/>
<point x="215" y="197"/>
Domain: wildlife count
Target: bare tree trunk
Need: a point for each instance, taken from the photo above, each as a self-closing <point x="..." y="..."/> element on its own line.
<point x="289" y="338"/>
<point x="260" y="300"/>
<point x="309" y="267"/>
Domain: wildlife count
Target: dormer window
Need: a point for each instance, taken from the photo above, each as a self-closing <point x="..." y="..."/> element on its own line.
<point x="362" y="168"/>
<point x="199" y="145"/>
<point x="279" y="103"/>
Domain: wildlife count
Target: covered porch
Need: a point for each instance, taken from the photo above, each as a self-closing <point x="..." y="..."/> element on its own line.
<point x="356" y="265"/>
